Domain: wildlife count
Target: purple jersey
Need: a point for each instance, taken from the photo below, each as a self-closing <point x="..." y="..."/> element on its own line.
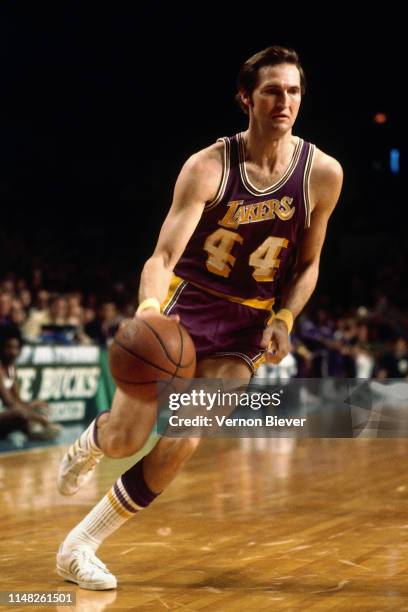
<point x="246" y="239"/>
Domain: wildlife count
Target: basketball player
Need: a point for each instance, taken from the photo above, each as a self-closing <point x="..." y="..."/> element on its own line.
<point x="30" y="418"/>
<point x="236" y="260"/>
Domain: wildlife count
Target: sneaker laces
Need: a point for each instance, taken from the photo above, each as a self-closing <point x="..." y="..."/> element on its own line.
<point x="84" y="459"/>
<point x="88" y="558"/>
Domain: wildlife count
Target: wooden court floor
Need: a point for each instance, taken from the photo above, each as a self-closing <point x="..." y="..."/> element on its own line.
<point x="248" y="525"/>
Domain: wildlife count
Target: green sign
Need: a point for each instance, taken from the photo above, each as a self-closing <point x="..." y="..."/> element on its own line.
<point x="66" y="377"/>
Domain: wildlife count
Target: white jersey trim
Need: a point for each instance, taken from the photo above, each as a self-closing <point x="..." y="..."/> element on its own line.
<point x="306" y="184"/>
<point x="225" y="175"/>
<point x="251" y="362"/>
<point x="272" y="188"/>
<point x="175" y="297"/>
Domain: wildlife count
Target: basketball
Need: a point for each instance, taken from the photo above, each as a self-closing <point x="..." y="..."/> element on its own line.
<point x="150" y="349"/>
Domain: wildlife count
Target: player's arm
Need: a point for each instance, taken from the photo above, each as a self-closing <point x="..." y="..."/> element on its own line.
<point x="11" y="400"/>
<point x="7" y="396"/>
<point x="36" y="405"/>
<point x="196" y="184"/>
<point x="325" y="187"/>
<point x="10" y="396"/>
<point x="35" y="410"/>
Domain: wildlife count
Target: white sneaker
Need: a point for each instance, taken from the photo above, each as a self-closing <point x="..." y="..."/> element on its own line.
<point x="78" y="463"/>
<point x="75" y="470"/>
<point x="83" y="567"/>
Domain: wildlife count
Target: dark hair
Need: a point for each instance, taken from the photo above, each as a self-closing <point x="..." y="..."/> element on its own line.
<point x="9" y="332"/>
<point x="271" y="56"/>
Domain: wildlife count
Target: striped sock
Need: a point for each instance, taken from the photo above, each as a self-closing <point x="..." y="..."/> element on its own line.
<point x="129" y="495"/>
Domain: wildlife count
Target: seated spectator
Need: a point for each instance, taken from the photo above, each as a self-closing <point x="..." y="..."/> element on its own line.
<point x="104" y="326"/>
<point x="6" y="301"/>
<point x="76" y="318"/>
<point x="394" y="364"/>
<point x="25" y="298"/>
<point x="74" y="310"/>
<point x="7" y="285"/>
<point x="55" y="314"/>
<point x="17" y="415"/>
<point x="42" y="300"/>
<point x="18" y="314"/>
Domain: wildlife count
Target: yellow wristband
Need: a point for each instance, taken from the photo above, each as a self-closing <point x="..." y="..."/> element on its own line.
<point x="151" y="302"/>
<point x="285" y="315"/>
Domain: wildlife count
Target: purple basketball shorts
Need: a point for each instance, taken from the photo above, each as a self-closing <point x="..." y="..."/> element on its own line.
<point x="218" y="326"/>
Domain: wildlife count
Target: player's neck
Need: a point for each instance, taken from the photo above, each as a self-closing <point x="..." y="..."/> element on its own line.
<point x="265" y="149"/>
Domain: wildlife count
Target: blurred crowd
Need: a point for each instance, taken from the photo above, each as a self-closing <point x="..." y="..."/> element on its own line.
<point x="363" y="343"/>
<point x="358" y="342"/>
<point x="65" y="318"/>
<point x="361" y="346"/>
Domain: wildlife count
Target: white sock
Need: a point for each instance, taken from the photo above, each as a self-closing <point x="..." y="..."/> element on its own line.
<point x="114" y="509"/>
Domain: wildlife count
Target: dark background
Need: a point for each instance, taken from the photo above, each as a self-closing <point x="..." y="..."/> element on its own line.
<point x="100" y="105"/>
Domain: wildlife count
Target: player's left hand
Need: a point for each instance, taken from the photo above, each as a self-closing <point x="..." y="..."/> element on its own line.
<point x="276" y="340"/>
<point x="175" y="317"/>
<point x="40" y="407"/>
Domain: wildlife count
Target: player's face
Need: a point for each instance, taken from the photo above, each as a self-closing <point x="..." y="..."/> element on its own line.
<point x="276" y="98"/>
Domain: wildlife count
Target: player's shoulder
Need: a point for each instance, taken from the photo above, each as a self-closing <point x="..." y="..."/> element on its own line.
<point x="326" y="168"/>
<point x="207" y="160"/>
<point x="202" y="173"/>
<point x="326" y="180"/>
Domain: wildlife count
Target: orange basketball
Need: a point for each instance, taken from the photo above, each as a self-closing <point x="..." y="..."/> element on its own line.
<point x="150" y="349"/>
